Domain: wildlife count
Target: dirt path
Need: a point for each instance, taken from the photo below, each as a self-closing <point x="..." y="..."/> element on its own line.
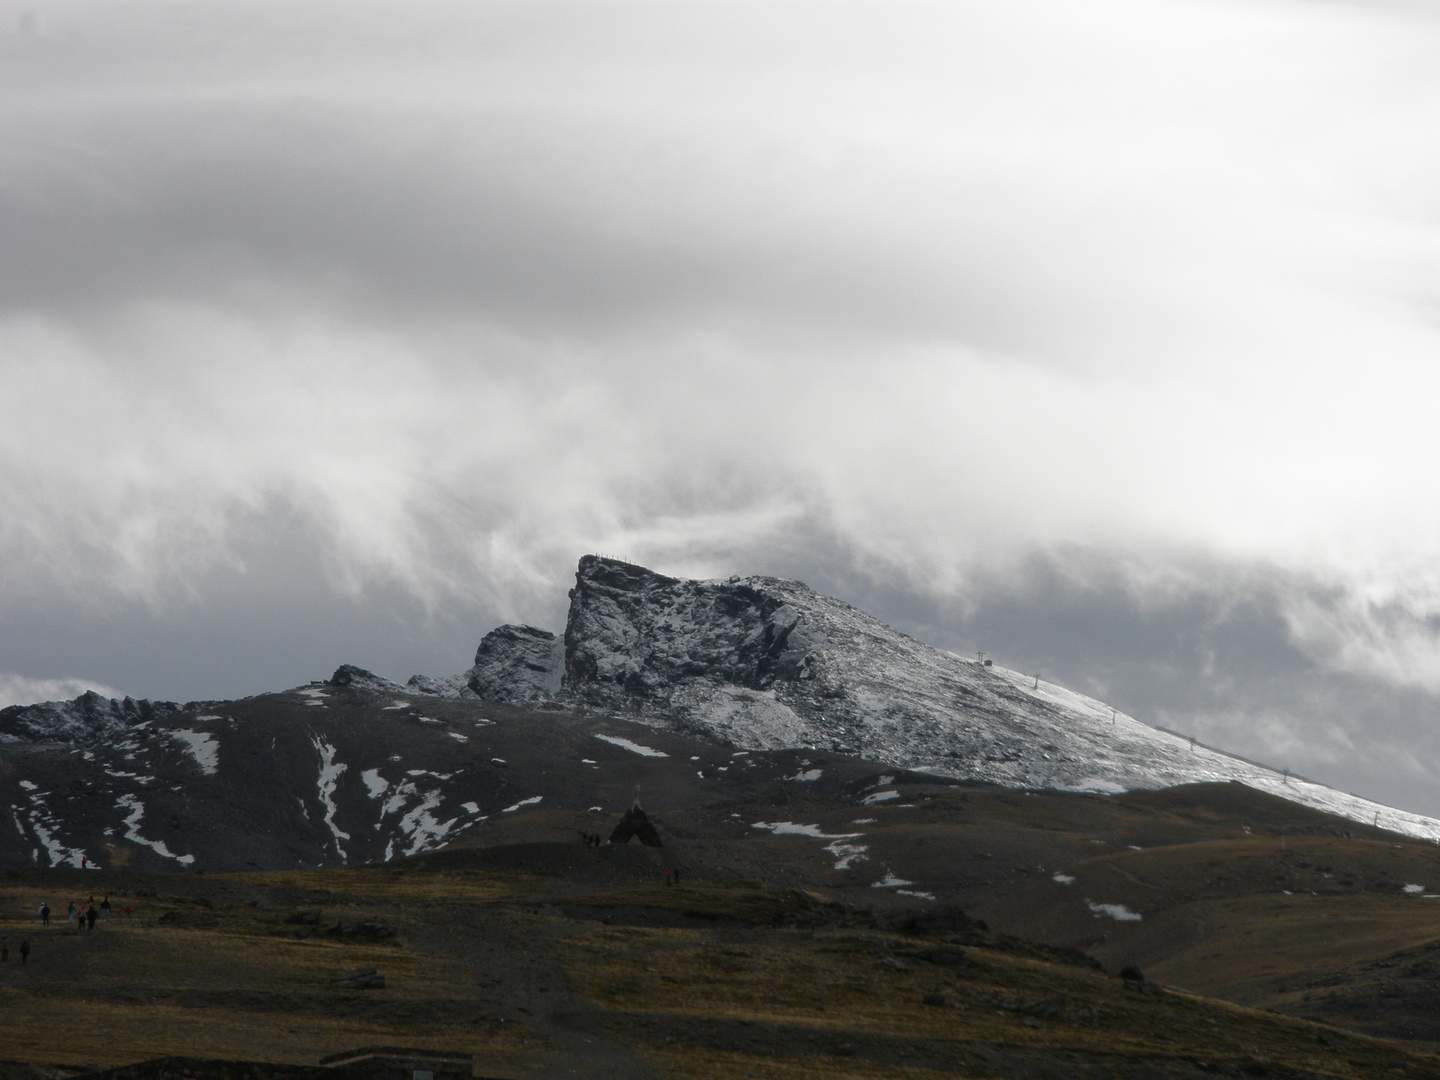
<point x="519" y="981"/>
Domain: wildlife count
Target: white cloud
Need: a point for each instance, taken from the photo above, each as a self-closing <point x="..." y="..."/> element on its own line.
<point x="19" y="690"/>
<point x="461" y="292"/>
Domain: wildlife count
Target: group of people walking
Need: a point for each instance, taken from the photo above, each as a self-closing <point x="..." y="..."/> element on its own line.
<point x="81" y="916"/>
<point x="86" y="915"/>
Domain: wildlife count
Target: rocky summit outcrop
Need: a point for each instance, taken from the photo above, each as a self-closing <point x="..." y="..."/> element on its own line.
<point x="80" y="720"/>
<point x="517" y="664"/>
<point x="766" y="663"/>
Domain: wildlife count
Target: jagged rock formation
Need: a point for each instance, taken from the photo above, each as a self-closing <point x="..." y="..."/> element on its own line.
<point x="357" y="678"/>
<point x="362" y="768"/>
<point x="84" y="719"/>
<point x="517" y="664"/>
<point x="766" y="663"/>
<point x="513" y="663"/>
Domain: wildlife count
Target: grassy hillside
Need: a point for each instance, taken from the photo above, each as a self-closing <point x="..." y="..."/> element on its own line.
<point x="600" y="970"/>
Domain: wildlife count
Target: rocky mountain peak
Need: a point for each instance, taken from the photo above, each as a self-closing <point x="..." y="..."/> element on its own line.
<point x="643" y="634"/>
<point x="517" y="663"/>
<point x="80" y="720"/>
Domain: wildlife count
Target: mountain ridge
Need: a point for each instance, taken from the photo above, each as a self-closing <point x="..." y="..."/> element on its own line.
<point x="756" y="664"/>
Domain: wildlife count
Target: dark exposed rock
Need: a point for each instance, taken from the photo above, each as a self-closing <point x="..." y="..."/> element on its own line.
<point x="357" y="678"/>
<point x="84" y="719"/>
<point x="636" y="824"/>
<point x="516" y="664"/>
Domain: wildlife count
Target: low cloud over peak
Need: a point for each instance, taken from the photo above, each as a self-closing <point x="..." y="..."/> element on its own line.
<point x="394" y="314"/>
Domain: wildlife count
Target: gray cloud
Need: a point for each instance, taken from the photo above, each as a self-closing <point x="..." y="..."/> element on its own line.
<point x="1100" y="339"/>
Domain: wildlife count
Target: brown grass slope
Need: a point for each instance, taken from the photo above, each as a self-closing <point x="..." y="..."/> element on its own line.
<point x="550" y="971"/>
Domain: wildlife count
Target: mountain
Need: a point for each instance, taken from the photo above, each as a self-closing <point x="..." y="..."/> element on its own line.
<point x="763" y="663"/>
<point x="740" y="691"/>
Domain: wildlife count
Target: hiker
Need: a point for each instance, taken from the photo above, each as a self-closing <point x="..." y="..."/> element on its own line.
<point x="129" y="911"/>
<point x="24" y="951"/>
<point x="91" y="915"/>
<point x="70" y="914"/>
<point x="667" y="876"/>
<point x="84" y="862"/>
<point x="105" y="908"/>
<point x="676" y="872"/>
<point x="44" y="914"/>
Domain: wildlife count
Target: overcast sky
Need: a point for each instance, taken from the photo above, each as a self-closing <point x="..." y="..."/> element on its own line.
<point x="1100" y="336"/>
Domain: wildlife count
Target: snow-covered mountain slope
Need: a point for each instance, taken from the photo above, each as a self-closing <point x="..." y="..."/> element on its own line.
<point x="764" y="663"/>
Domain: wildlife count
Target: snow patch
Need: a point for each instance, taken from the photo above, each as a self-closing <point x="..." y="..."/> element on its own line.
<point x="807" y="776"/>
<point x="395" y="705"/>
<point x="458" y="737"/>
<point x="523" y="802"/>
<point x="330" y="771"/>
<point x="201" y="746"/>
<point x="135" y="810"/>
<point x="909" y="892"/>
<point x="1414" y="889"/>
<point x="879" y="797"/>
<point x="470" y="807"/>
<point x="789" y="828"/>
<point x="633" y="747"/>
<point x="1118" y="912"/>
<point x="374" y="782"/>
<point x="423" y="828"/>
<point x="890" y="881"/>
<point x="1063" y="879"/>
<point x="846" y="855"/>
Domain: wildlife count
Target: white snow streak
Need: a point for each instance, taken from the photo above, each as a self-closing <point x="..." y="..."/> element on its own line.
<point x="789" y="828"/>
<point x="201" y="746"/>
<point x="633" y="747"/>
<point x="135" y="811"/>
<point x="1118" y="912"/>
<point x="846" y="855"/>
<point x="330" y="771"/>
<point x="890" y="881"/>
<point x="374" y="782"/>
<point x="523" y="802"/>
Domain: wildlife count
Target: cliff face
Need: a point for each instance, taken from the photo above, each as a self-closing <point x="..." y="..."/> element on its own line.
<point x="765" y="663"/>
<point x="83" y="719"/>
<point x="517" y="663"/>
<point x="642" y="633"/>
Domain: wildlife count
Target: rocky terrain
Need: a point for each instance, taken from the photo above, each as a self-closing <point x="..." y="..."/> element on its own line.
<point x="762" y="663"/>
<point x="843" y="808"/>
<point x="655" y="679"/>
